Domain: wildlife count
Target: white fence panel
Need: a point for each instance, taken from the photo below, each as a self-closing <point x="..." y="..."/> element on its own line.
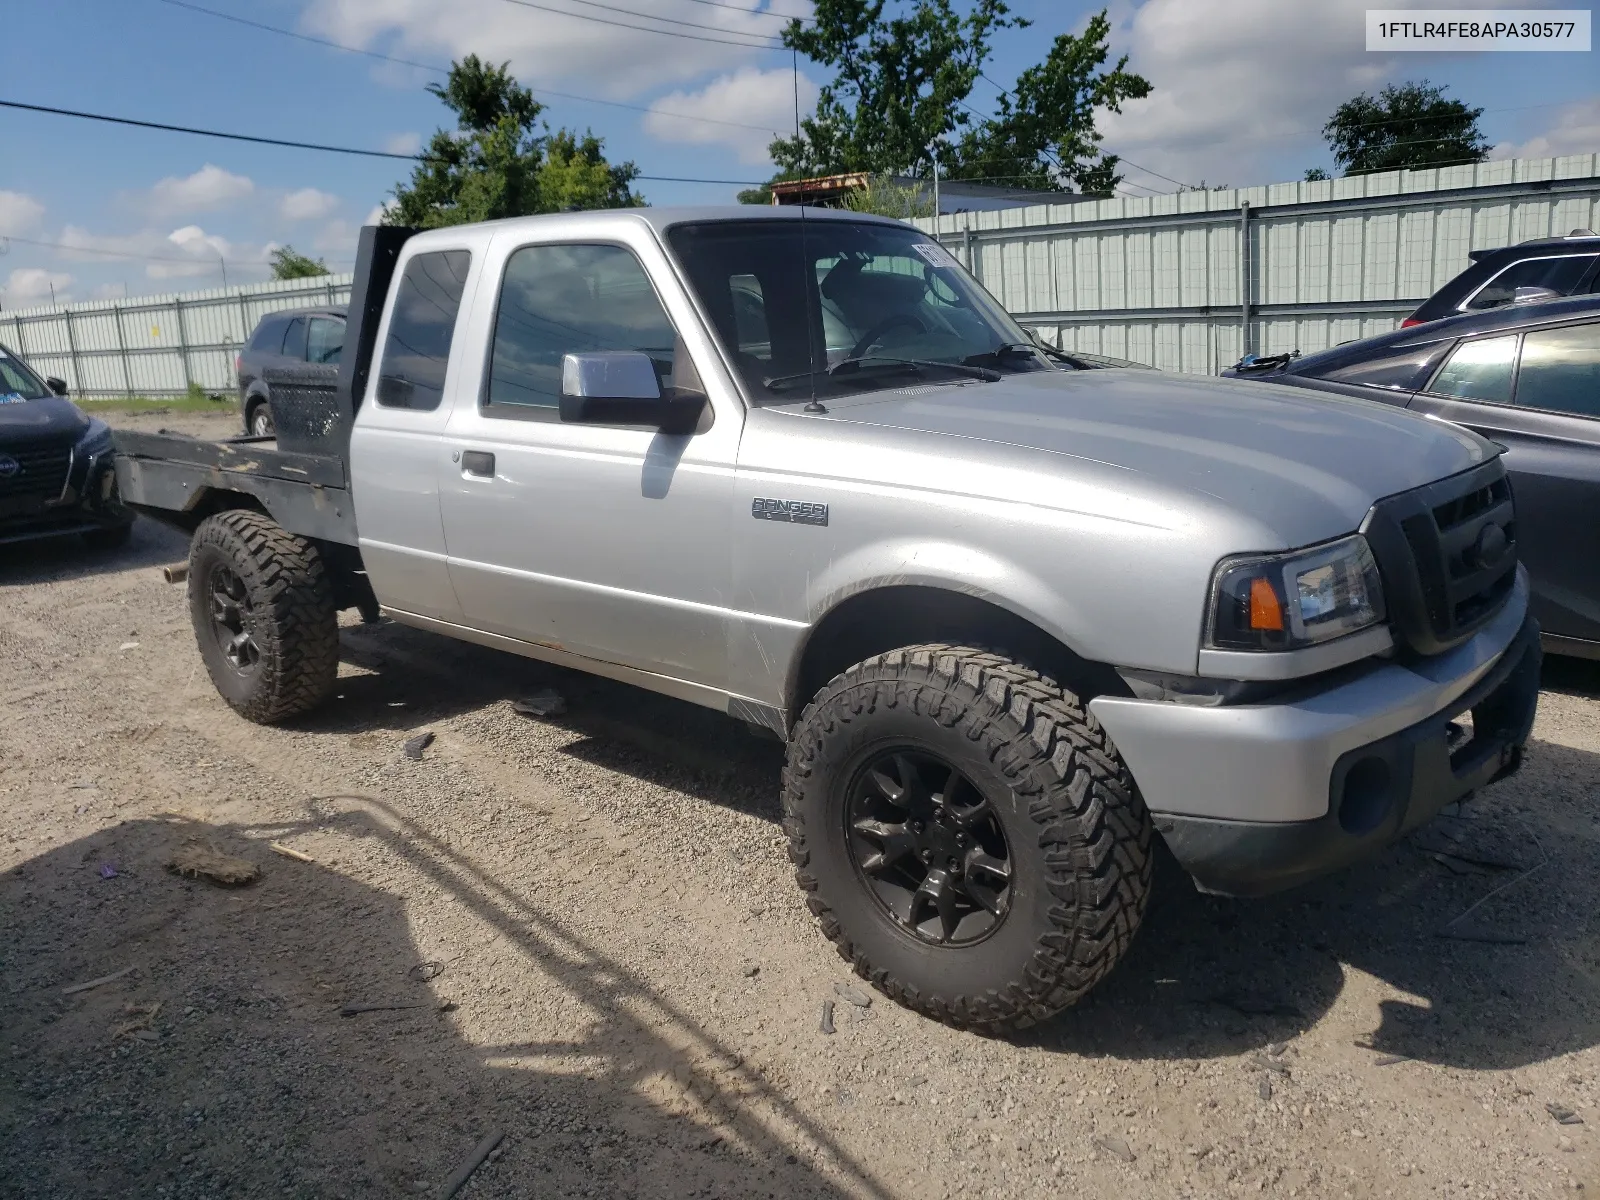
<point x="157" y="345"/>
<point x="1191" y="281"/>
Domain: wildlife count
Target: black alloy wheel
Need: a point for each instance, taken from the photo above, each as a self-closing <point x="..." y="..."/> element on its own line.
<point x="928" y="845"/>
<point x="231" y="619"/>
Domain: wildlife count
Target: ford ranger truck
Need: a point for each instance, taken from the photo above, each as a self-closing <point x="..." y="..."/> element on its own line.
<point x="1014" y="621"/>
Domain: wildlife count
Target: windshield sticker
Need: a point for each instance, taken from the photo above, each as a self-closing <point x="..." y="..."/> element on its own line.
<point x="935" y="254"/>
<point x="12" y="398"/>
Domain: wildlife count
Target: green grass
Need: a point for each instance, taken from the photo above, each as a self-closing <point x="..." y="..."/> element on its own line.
<point x="195" y="402"/>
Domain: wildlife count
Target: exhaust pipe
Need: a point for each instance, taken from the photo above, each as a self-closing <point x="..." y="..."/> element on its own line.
<point x="175" y="574"/>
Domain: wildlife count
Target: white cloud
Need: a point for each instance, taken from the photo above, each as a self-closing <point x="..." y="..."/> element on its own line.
<point x="375" y="217"/>
<point x="187" y="252"/>
<point x="764" y="99"/>
<point x="548" y="47"/>
<point x="307" y="204"/>
<point x="1575" y="130"/>
<point x="337" y="241"/>
<point x="207" y="189"/>
<point x="108" y="291"/>
<point x="19" y="213"/>
<point x="403" y="143"/>
<point x="1238" y="82"/>
<point x="27" y="287"/>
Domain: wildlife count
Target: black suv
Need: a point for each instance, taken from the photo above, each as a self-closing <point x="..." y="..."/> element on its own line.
<point x="56" y="474"/>
<point x="290" y="354"/>
<point x="1560" y="266"/>
<point x="1526" y="376"/>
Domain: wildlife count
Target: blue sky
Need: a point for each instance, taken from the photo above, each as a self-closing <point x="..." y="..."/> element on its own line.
<point x="1241" y="90"/>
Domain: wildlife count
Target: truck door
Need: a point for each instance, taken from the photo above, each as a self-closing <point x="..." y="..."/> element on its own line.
<point x="1538" y="394"/>
<point x="609" y="542"/>
<point x="394" y="444"/>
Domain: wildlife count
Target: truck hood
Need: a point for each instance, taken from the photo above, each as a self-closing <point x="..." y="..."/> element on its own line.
<point x="51" y="419"/>
<point x="1308" y="465"/>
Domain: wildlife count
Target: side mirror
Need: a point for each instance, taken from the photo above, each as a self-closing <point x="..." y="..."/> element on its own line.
<point x="1534" y="295"/>
<point x="612" y="387"/>
<point x="58" y="386"/>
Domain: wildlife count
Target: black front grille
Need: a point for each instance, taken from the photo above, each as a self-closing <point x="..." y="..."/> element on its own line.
<point x="31" y="476"/>
<point x="1448" y="556"/>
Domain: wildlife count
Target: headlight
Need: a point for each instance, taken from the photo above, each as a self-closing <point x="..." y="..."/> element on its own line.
<point x="1285" y="601"/>
<point x="95" y="439"/>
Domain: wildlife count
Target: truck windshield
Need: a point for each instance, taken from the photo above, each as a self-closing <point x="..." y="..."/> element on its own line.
<point x="844" y="306"/>
<point x="17" y="382"/>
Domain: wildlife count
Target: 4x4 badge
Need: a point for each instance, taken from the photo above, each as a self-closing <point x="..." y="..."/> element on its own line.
<point x="793" y="512"/>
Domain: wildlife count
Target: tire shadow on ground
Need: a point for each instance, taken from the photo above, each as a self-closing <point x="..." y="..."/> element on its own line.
<point x="220" y="1064"/>
<point x="1513" y="981"/>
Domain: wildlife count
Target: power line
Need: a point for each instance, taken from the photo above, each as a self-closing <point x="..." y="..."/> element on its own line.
<point x="266" y="141"/>
<point x="766" y="44"/>
<point x="759" y="12"/>
<point x="630" y="12"/>
<point x="200" y="261"/>
<point x="438" y="70"/>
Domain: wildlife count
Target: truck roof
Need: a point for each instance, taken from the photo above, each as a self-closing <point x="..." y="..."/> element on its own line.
<point x="660" y="219"/>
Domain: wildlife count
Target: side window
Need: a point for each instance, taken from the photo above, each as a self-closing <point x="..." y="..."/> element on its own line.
<point x="1479" y="370"/>
<point x="1561" y="370"/>
<point x="1558" y="274"/>
<point x="421" y="327"/>
<point x="325" y="340"/>
<point x="294" y="339"/>
<point x="560" y="300"/>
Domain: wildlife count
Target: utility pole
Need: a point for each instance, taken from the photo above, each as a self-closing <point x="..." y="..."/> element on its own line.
<point x="223" y="264"/>
<point x="933" y="153"/>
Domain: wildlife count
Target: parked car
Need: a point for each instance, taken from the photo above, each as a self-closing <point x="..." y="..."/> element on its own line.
<point x="56" y="474"/>
<point x="1014" y="622"/>
<point x="290" y="363"/>
<point x="1558" y="266"/>
<point x="1528" y="377"/>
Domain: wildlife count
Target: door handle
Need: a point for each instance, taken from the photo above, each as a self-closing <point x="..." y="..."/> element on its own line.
<point x="477" y="462"/>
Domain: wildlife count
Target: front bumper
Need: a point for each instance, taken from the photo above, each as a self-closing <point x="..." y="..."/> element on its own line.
<point x="1255" y="798"/>
<point x="88" y="502"/>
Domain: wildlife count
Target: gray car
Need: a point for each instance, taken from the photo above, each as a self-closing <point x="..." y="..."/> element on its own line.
<point x="291" y="360"/>
<point x="1014" y="622"/>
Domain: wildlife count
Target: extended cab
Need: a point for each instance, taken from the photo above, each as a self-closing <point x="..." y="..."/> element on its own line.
<point x="1013" y="621"/>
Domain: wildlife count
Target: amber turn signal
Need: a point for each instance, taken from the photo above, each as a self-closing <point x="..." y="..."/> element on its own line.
<point x="1265" y="610"/>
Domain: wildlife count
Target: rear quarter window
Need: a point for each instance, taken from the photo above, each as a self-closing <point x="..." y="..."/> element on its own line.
<point x="268" y="335"/>
<point x="1402" y="368"/>
<point x="416" y="351"/>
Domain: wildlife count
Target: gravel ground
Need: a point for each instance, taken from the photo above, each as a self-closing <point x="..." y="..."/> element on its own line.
<point x="628" y="986"/>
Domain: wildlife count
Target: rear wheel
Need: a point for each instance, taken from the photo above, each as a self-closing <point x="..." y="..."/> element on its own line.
<point x="966" y="835"/>
<point x="261" y="420"/>
<point x="263" y="614"/>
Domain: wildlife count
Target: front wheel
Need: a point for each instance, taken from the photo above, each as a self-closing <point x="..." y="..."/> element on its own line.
<point x="966" y="835"/>
<point x="263" y="614"/>
<point x="261" y="420"/>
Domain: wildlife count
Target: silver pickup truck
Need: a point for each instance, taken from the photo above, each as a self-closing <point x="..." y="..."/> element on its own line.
<point x="1014" y="620"/>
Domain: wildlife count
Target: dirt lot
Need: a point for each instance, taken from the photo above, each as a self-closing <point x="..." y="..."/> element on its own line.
<point x="633" y="985"/>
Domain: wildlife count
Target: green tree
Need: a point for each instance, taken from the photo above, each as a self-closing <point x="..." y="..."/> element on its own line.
<point x="1411" y="125"/>
<point x="1314" y="174"/>
<point x="901" y="85"/>
<point x="498" y="163"/>
<point x="898" y="86"/>
<point x="289" y="263"/>
<point x="1043" y="135"/>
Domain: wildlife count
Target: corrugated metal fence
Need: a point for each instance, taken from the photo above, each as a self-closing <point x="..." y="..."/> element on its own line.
<point x="156" y="345"/>
<point x="1158" y="279"/>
